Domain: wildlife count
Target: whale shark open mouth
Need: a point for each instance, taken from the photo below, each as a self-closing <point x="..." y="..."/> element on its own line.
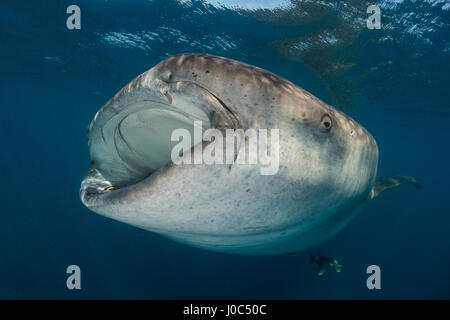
<point x="129" y="141"/>
<point x="141" y="138"/>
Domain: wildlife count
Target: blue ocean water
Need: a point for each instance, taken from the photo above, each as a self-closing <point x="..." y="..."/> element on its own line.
<point x="394" y="81"/>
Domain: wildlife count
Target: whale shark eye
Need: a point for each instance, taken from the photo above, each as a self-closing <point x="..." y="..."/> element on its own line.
<point x="326" y="122"/>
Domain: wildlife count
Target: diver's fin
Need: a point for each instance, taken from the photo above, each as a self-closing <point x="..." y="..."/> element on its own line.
<point x="384" y="183"/>
<point x="321" y="272"/>
<point x="312" y="259"/>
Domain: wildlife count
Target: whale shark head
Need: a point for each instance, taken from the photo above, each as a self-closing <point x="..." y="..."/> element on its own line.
<point x="327" y="161"/>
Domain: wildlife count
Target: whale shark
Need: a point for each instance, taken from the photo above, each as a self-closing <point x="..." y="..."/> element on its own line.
<point x="327" y="161"/>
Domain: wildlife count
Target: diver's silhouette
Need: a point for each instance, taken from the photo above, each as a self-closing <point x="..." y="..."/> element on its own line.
<point x="323" y="263"/>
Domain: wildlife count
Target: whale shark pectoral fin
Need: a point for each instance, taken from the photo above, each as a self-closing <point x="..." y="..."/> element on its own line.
<point x="384" y="183"/>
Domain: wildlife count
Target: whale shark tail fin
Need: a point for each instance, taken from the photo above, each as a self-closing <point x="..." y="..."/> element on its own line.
<point x="384" y="183"/>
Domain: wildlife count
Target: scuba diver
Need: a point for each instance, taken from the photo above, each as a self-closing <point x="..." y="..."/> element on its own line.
<point x="324" y="263"/>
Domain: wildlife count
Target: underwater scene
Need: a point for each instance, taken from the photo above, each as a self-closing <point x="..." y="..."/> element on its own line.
<point x="119" y="182"/>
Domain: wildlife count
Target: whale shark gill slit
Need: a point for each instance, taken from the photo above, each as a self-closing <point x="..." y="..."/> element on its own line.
<point x="229" y="113"/>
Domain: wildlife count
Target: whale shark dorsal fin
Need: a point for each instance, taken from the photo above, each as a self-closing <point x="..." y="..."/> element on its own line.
<point x="384" y="183"/>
